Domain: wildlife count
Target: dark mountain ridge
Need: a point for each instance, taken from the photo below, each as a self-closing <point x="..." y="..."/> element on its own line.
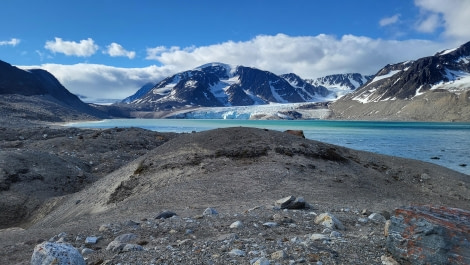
<point x="42" y="90"/>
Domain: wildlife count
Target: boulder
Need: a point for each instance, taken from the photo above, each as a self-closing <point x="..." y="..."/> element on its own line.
<point x="56" y="253"/>
<point x="430" y="235"/>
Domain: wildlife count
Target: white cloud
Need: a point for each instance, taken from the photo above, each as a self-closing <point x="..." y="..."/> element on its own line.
<point x="12" y="42"/>
<point x="84" y="48"/>
<point x="452" y="15"/>
<point x="97" y="81"/>
<point x="307" y="56"/>
<point x="115" y="50"/>
<point x="386" y="21"/>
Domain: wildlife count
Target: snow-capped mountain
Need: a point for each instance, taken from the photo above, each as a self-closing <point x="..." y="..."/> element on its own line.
<point x="449" y="69"/>
<point x="222" y="85"/>
<point x="430" y="88"/>
<point x="340" y="84"/>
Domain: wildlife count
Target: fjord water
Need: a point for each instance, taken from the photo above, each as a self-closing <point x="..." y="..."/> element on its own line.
<point x="445" y="144"/>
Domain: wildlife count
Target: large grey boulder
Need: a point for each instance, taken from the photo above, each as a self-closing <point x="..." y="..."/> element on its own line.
<point x="48" y="253"/>
<point x="430" y="235"/>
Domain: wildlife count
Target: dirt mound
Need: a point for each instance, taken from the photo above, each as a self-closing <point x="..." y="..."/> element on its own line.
<point x="237" y="167"/>
<point x="39" y="163"/>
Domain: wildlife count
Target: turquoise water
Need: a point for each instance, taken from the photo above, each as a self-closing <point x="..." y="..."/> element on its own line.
<point x="445" y="144"/>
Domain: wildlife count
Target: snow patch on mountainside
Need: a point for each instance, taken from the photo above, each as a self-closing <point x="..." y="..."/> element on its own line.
<point x="380" y="77"/>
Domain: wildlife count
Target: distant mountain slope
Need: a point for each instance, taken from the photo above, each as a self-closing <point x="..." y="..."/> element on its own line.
<point x="431" y="88"/>
<point x="141" y="92"/>
<point x="341" y="84"/>
<point x="38" y="86"/>
<point x="222" y="85"/>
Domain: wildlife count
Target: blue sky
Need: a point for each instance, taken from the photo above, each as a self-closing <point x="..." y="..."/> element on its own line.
<point x="108" y="49"/>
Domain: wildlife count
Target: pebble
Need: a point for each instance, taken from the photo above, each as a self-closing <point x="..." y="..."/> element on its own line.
<point x="236" y="224"/>
<point x="237" y="252"/>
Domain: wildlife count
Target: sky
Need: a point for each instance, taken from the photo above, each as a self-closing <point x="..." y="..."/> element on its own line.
<point x="108" y="49"/>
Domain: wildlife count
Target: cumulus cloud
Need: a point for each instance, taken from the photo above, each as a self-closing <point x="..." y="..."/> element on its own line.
<point x="307" y="56"/>
<point x="12" y="42"/>
<point x="97" y="82"/>
<point x="452" y="15"/>
<point x="84" y="48"/>
<point x="389" y="20"/>
<point x="116" y="50"/>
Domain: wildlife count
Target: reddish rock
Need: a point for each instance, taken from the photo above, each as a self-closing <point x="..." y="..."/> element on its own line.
<point x="430" y="235"/>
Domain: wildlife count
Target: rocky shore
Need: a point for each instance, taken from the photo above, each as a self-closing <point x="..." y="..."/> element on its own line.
<point x="131" y="196"/>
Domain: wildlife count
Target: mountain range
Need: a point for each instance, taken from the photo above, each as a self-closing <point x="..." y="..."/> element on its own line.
<point x="433" y="88"/>
<point x="223" y="85"/>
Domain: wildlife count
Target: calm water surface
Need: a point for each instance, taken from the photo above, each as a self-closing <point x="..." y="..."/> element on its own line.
<point x="445" y="144"/>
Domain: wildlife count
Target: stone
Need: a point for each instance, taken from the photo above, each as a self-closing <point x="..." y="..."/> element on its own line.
<point x="132" y="247"/>
<point x="335" y="234"/>
<point x="262" y="261"/>
<point x="237" y="253"/>
<point x="210" y="212"/>
<point x="291" y="203"/>
<point x="87" y="251"/>
<point x="121" y="241"/>
<point x="284" y="202"/>
<point x="387" y="228"/>
<point x="429" y="235"/>
<point x="316" y="237"/>
<point x="270" y="224"/>
<point x="236" y="224"/>
<point x="165" y="215"/>
<point x="56" y="253"/>
<point x="281" y="254"/>
<point x="330" y="221"/>
<point x="386" y="260"/>
<point x="377" y="218"/>
<point x="91" y="240"/>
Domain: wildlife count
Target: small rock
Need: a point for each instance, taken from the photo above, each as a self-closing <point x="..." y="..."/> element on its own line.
<point x="91" y="240"/>
<point x="236" y="224"/>
<point x="292" y="203"/>
<point x="55" y="253"/>
<point x="262" y="261"/>
<point x="270" y="224"/>
<point x="377" y="218"/>
<point x="388" y="260"/>
<point x="165" y="215"/>
<point x="281" y="254"/>
<point x="330" y="221"/>
<point x="387" y="228"/>
<point x="316" y="237"/>
<point x="132" y="247"/>
<point x="210" y="212"/>
<point x="336" y="234"/>
<point x="87" y="251"/>
<point x="237" y="253"/>
<point x="366" y="212"/>
<point x="363" y="220"/>
<point x="125" y="238"/>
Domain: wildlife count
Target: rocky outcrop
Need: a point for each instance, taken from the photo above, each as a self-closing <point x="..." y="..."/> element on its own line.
<point x="430" y="235"/>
